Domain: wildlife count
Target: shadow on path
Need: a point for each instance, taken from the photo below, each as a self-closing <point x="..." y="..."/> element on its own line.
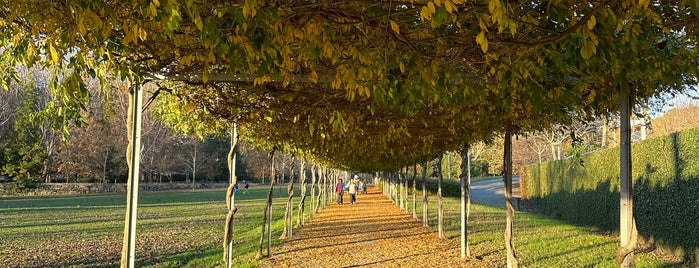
<point x="371" y="233"/>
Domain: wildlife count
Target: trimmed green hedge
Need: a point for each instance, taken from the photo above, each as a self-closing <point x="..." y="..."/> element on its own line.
<point x="665" y="174"/>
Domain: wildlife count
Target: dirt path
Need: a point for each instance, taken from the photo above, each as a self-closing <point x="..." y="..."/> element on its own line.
<point x="371" y="233"/>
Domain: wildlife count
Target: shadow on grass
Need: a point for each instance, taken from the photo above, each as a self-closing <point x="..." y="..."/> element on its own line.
<point x="666" y="203"/>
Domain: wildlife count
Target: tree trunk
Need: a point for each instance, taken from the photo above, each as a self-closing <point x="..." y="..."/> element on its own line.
<point x="605" y="130"/>
<point x="390" y="187"/>
<point x="49" y="142"/>
<point x="384" y="188"/>
<point x="465" y="178"/>
<point x="289" y="212"/>
<point x="320" y="189"/>
<point x="262" y="234"/>
<point x="267" y="217"/>
<point x="133" y="159"/>
<point x="325" y="187"/>
<point x="272" y="181"/>
<point x="440" y="205"/>
<point x="396" y="184"/>
<point x="507" y="166"/>
<point x="425" y="218"/>
<point x="230" y="200"/>
<point x="300" y="219"/>
<point x="559" y="154"/>
<point x="644" y="123"/>
<point x="313" y="191"/>
<point x="400" y="189"/>
<point x="194" y="165"/>
<point x="104" y="167"/>
<point x="627" y="234"/>
<point x="415" y="191"/>
<point x="406" y="190"/>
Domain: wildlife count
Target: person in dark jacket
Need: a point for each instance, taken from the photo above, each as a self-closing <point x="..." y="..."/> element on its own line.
<point x="339" y="189"/>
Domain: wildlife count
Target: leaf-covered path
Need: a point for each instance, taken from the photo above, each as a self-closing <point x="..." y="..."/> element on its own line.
<point x="372" y="232"/>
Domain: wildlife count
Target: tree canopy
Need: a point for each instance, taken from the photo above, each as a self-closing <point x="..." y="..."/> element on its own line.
<point x="365" y="84"/>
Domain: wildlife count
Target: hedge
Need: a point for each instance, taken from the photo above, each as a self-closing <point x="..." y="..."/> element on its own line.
<point x="585" y="191"/>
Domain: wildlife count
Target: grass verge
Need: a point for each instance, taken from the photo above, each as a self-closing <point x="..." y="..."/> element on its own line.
<point x="175" y="229"/>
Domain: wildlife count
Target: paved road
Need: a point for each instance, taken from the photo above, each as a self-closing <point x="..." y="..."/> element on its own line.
<point x="492" y="192"/>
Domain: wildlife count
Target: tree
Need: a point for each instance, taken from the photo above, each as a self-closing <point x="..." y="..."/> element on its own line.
<point x="535" y="143"/>
<point x="415" y="190"/>
<point x="512" y="260"/>
<point x="266" y="65"/>
<point x="301" y="217"/>
<point x="440" y="205"/>
<point x="675" y="120"/>
<point x="24" y="154"/>
<point x="289" y="213"/>
<point x="465" y="179"/>
<point x="425" y="218"/>
<point x="267" y="215"/>
<point x="230" y="198"/>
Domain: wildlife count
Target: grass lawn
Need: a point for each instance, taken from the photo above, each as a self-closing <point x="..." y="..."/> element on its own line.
<point x="175" y="229"/>
<point x="185" y="229"/>
<point x="539" y="241"/>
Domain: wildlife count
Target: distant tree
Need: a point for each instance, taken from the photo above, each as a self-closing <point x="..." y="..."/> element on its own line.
<point x="24" y="153"/>
<point x="537" y="145"/>
<point x="675" y="120"/>
<point x="94" y="152"/>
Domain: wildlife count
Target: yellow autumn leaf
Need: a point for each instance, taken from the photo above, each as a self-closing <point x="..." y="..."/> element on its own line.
<point x="591" y="22"/>
<point x="431" y="7"/>
<point x="246" y="11"/>
<point x="199" y="23"/>
<point x="425" y="13"/>
<point x="81" y="27"/>
<point x="314" y="77"/>
<point x="402" y="67"/>
<point x="53" y="53"/>
<point x="483" y="41"/>
<point x="591" y="96"/>
<point x="142" y="34"/>
<point x="30" y="51"/>
<point x="394" y="27"/>
<point x="449" y="6"/>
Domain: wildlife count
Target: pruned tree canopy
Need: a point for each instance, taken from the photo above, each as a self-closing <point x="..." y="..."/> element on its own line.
<point x="365" y="84"/>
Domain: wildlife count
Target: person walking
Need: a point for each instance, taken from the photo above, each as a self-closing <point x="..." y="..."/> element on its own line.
<point x="247" y="185"/>
<point x="359" y="186"/>
<point x="353" y="190"/>
<point x="339" y="189"/>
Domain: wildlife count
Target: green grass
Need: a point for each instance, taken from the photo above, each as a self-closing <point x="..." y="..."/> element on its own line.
<point x="175" y="229"/>
<point x="538" y="241"/>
